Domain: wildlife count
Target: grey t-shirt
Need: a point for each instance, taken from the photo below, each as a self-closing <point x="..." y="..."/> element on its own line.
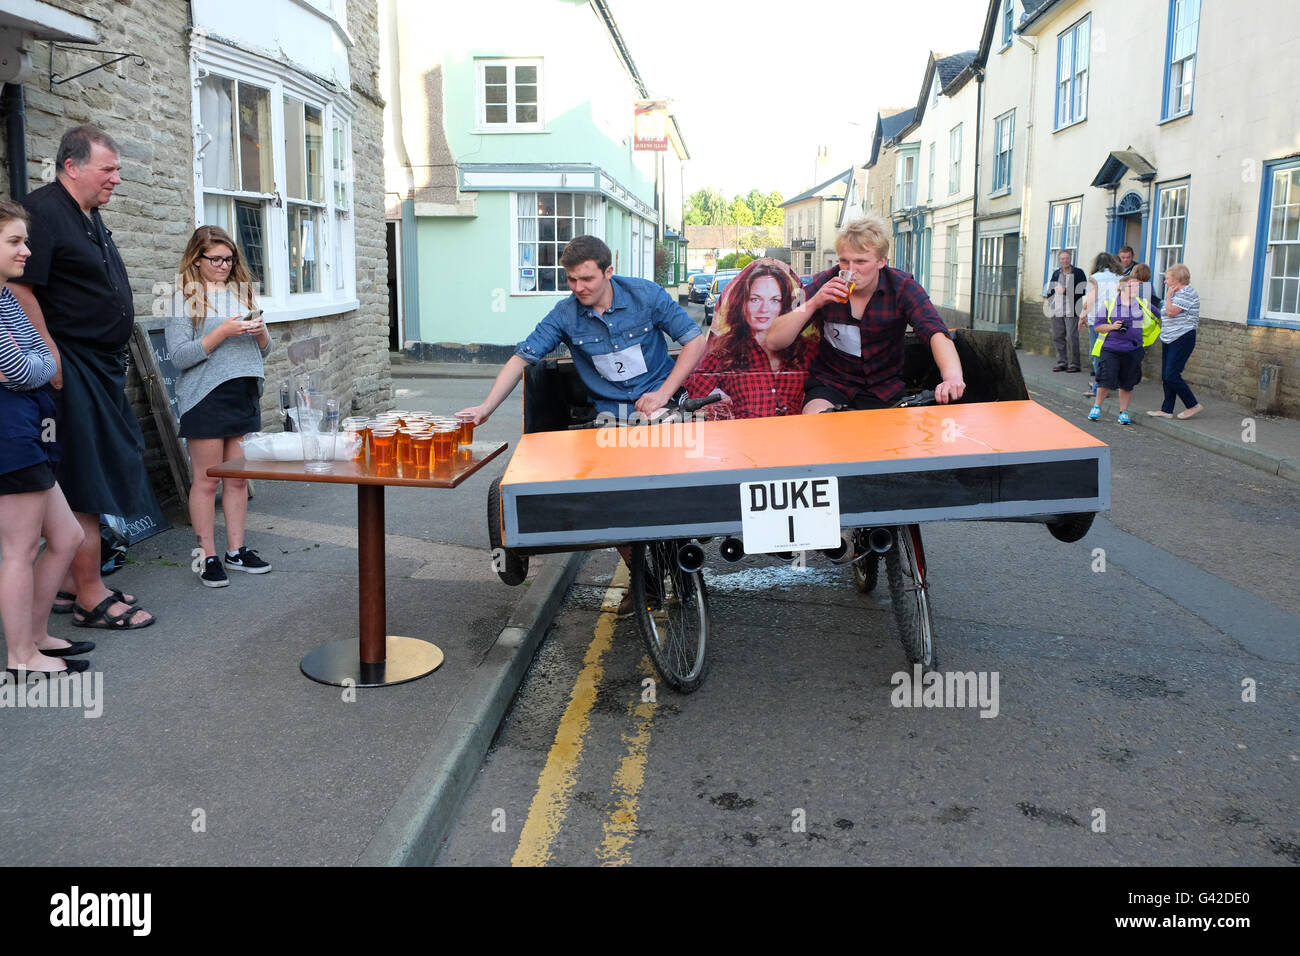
<point x="201" y="372"/>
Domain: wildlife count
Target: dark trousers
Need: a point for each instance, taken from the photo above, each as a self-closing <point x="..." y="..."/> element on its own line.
<point x="1173" y="359"/>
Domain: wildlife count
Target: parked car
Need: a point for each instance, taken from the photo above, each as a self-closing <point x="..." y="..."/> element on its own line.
<point x="720" y="280"/>
<point x="699" y="286"/>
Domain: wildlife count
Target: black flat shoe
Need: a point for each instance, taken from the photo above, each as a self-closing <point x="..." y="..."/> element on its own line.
<point x="72" y="650"/>
<point x="74" y="667"/>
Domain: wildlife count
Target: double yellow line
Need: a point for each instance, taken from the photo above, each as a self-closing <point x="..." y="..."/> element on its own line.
<point x="550" y="804"/>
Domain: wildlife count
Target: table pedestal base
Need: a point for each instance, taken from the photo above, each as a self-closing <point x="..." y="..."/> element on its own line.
<point x="406" y="659"/>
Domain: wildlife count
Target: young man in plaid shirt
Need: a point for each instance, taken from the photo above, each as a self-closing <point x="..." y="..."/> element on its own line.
<point x="862" y="323"/>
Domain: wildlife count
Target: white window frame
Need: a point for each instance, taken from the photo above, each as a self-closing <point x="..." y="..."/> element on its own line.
<point x="1004" y="134"/>
<point x="906" y="200"/>
<point x="594" y="216"/>
<point x="1281" y="243"/>
<point x="1171" y="229"/>
<point x="1180" y="63"/>
<point x="951" y="265"/>
<point x="1059" y="228"/>
<point x="336" y="245"/>
<point x="1073" y="58"/>
<point x="511" y="125"/>
<point x="954" y="159"/>
<point x="1008" y="22"/>
<point x="929" y="194"/>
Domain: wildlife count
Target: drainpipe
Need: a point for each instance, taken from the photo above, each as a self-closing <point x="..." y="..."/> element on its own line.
<point x="11" y="104"/>
<point x="975" y="198"/>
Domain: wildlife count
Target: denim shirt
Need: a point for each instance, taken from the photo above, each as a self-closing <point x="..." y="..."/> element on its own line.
<point x="633" y="328"/>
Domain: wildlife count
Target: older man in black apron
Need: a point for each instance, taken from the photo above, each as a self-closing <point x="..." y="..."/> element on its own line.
<point x="76" y="293"/>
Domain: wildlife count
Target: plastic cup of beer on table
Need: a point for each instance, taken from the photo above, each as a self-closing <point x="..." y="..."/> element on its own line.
<point x="466" y="423"/>
<point x="422" y="448"/>
<point x="355" y="430"/>
<point x="384" y="446"/>
<point x="444" y="440"/>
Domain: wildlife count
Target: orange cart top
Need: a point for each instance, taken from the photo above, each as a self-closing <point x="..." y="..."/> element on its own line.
<point x="895" y="434"/>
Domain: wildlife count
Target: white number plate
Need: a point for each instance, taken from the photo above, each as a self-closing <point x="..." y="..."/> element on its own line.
<point x="792" y="514"/>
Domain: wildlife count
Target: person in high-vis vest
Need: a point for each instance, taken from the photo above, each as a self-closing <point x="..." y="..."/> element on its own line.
<point x="1124" y="326"/>
<point x="1103" y="284"/>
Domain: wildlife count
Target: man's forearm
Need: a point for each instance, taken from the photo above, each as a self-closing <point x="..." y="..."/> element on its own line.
<point x="945" y="356"/>
<point x="786" y="328"/>
<point x="505" y="383"/>
<point x="687" y="359"/>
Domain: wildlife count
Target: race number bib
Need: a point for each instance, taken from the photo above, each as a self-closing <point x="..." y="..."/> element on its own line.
<point x="620" y="366"/>
<point x="846" y="338"/>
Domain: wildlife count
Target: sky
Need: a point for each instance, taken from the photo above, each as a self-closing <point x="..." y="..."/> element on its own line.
<point x="756" y="87"/>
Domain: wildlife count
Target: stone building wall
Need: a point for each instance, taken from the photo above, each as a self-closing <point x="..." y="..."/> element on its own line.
<point x="147" y="109"/>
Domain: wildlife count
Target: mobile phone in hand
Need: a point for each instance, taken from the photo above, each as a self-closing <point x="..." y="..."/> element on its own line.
<point x="253" y="316"/>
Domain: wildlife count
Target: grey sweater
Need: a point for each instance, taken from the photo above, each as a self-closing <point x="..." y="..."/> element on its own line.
<point x="201" y="372"/>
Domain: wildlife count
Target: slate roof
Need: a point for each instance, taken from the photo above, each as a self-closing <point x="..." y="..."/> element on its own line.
<point x="950" y="66"/>
<point x="843" y="177"/>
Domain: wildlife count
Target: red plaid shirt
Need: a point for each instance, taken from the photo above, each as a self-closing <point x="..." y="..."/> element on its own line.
<point x="899" y="301"/>
<point x="756" y="392"/>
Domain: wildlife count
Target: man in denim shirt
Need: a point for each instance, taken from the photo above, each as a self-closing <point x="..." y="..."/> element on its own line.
<point x="614" y="326"/>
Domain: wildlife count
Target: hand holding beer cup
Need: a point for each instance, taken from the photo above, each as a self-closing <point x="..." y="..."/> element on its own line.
<point x="850" y="279"/>
<point x="835" y="290"/>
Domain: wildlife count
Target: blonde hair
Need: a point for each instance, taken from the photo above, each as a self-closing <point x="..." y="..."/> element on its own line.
<point x="190" y="279"/>
<point x="868" y="234"/>
<point x="1180" y="273"/>
<point x="1141" y="272"/>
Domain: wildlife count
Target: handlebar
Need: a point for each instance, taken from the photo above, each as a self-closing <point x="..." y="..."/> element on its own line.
<point x="675" y="411"/>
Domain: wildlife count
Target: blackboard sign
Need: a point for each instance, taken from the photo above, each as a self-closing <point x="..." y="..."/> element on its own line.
<point x="149" y="351"/>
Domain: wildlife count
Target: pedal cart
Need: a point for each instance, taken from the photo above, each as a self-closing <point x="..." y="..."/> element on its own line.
<point x="856" y="485"/>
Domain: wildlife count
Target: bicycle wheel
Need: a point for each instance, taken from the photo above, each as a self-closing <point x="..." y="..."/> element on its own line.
<point x="909" y="592"/>
<point x="672" y="613"/>
<point x="866" y="564"/>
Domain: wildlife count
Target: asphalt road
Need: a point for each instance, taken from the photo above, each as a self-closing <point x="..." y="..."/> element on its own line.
<point x="1144" y="712"/>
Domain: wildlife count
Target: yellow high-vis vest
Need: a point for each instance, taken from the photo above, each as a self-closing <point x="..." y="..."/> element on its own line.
<point x="1150" y="326"/>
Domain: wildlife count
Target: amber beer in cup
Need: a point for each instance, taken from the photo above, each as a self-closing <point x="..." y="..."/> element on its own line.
<point x="465" y="421"/>
<point x="422" y="448"/>
<point x="444" y="441"/>
<point x="384" y="450"/>
<point x="355" y="428"/>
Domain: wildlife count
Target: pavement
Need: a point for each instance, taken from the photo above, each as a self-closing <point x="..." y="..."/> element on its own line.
<point x="205" y="745"/>
<point x="1269" y="443"/>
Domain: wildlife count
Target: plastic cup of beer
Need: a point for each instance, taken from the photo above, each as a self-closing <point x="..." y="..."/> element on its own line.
<point x="355" y="430"/>
<point x="850" y="278"/>
<point x="422" y="448"/>
<point x="384" y="446"/>
<point x="444" y="440"/>
<point x="404" y="446"/>
<point x="466" y="428"/>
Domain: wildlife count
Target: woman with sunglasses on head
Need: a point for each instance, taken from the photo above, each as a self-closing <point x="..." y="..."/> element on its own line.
<point x="32" y="505"/>
<point x="217" y="340"/>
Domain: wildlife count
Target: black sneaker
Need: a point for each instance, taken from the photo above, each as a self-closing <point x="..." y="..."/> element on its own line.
<point x="246" y="560"/>
<point x="214" y="575"/>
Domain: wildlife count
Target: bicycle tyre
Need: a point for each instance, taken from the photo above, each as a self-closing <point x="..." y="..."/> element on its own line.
<point x="672" y="614"/>
<point x="511" y="568"/>
<point x="909" y="592"/>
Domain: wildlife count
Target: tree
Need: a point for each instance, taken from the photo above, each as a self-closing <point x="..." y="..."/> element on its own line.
<point x="773" y="215"/>
<point x="741" y="214"/>
<point x="706" y="207"/>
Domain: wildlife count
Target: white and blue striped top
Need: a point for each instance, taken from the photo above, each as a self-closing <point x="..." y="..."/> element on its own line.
<point x="25" y="360"/>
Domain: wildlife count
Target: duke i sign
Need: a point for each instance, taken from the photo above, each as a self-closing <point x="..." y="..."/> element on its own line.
<point x="792" y="514"/>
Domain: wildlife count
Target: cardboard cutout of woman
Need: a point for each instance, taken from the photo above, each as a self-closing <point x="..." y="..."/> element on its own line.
<point x="754" y="381"/>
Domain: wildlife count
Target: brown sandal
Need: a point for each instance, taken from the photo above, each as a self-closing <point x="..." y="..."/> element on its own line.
<point x="98" y="617"/>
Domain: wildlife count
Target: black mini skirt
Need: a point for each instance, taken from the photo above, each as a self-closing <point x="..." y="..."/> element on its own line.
<point x="39" y="477"/>
<point x="230" y="410"/>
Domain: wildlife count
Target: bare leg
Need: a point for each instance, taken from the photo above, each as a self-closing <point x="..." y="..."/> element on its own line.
<point x="20" y="534"/>
<point x="1102" y="392"/>
<point x="90" y="589"/>
<point x="205" y="453"/>
<point x="816" y="406"/>
<point x="1124" y="399"/>
<point x="234" y="498"/>
<point x="63" y="536"/>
